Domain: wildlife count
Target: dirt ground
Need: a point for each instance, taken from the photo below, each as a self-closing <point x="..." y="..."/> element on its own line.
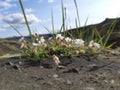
<point x="78" y="73"/>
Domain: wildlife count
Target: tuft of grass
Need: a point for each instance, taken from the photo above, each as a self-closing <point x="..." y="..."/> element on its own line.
<point x="109" y="32"/>
<point x="103" y="39"/>
<point x="58" y="44"/>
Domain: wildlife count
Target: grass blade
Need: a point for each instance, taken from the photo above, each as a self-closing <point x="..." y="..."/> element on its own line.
<point x="79" y="34"/>
<point x="47" y="29"/>
<point x="109" y="46"/>
<point x="52" y="22"/>
<point x="16" y="30"/>
<point x="63" y="18"/>
<point x="77" y="12"/>
<point x="10" y="55"/>
<point x="100" y="38"/>
<point x="30" y="33"/>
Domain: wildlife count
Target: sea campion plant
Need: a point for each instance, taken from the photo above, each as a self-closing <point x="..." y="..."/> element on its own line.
<point x="42" y="49"/>
<point x="60" y="44"/>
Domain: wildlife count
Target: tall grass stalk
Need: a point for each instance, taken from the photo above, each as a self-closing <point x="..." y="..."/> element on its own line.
<point x="77" y="22"/>
<point x="77" y="12"/>
<point x="78" y="33"/>
<point x="27" y="24"/>
<point x="82" y="31"/>
<point x="63" y="18"/>
<point x="53" y="28"/>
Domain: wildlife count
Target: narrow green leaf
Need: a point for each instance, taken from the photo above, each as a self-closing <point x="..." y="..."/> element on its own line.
<point x="52" y="22"/>
<point x="77" y="12"/>
<point x="30" y="33"/>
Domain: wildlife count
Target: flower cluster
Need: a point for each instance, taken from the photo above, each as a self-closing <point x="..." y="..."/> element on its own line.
<point x="23" y="43"/>
<point x="39" y="40"/>
<point x="79" y="43"/>
<point x="58" y="46"/>
<point x="94" y="46"/>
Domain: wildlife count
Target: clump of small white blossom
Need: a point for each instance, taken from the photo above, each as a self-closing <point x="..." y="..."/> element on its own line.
<point x="59" y="45"/>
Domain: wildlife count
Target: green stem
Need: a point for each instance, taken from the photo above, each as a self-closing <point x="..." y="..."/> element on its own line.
<point x="26" y="20"/>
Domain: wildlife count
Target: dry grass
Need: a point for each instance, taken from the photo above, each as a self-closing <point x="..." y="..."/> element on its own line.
<point x="9" y="47"/>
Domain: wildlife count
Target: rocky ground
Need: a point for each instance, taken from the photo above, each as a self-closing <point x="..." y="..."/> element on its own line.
<point x="82" y="72"/>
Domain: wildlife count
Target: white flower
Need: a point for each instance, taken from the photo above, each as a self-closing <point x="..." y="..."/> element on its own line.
<point x="22" y="45"/>
<point x="37" y="39"/>
<point x="79" y="42"/>
<point x="94" y="45"/>
<point x="21" y="39"/>
<point x="97" y="45"/>
<point x="36" y="44"/>
<point x="68" y="40"/>
<point x="41" y="41"/>
<point x="59" y="36"/>
<point x="56" y="60"/>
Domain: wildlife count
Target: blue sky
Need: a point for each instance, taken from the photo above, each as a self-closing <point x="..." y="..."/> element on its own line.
<point x="39" y="13"/>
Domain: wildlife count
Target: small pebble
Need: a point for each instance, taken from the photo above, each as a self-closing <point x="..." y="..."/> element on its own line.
<point x="55" y="76"/>
<point x="92" y="65"/>
<point x="61" y="67"/>
<point x="20" y="63"/>
<point x="112" y="81"/>
<point x="69" y="82"/>
<point x="88" y="88"/>
<point x="41" y="67"/>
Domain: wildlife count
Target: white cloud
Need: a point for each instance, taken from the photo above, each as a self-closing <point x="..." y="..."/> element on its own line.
<point x="29" y="10"/>
<point x="51" y="1"/>
<point x="17" y="19"/>
<point x="10" y="0"/>
<point x="4" y="5"/>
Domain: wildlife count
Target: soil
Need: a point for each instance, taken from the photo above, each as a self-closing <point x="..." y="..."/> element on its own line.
<point x="81" y="72"/>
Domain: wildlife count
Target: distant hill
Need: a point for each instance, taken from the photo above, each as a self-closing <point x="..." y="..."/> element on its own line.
<point x="27" y="37"/>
